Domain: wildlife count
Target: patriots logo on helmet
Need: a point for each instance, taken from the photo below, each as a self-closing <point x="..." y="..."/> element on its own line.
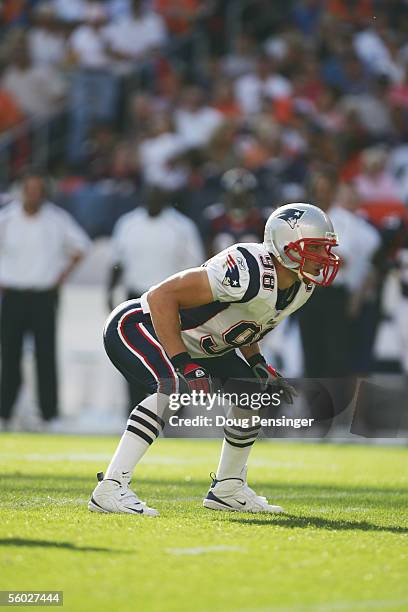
<point x="292" y="216"/>
<point x="231" y="278"/>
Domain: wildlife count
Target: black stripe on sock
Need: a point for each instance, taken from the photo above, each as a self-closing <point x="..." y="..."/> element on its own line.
<point x="140" y="433"/>
<point x="151" y="414"/>
<point x="247" y="429"/>
<point x="229" y="433"/>
<point x="240" y="445"/>
<point x="145" y="423"/>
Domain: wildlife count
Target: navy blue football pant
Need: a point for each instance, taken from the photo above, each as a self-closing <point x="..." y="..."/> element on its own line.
<point x="132" y="346"/>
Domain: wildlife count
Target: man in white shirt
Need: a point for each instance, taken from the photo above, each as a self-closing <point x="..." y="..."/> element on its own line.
<point x="38" y="89"/>
<point x="40" y="245"/>
<point x="132" y="37"/>
<point x="252" y="88"/>
<point x="196" y="122"/>
<point x="46" y="39"/>
<point x="158" y="155"/>
<point x="150" y="244"/>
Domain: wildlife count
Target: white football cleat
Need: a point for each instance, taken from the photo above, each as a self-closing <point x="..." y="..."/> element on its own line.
<point x="114" y="495"/>
<point x="234" y="495"/>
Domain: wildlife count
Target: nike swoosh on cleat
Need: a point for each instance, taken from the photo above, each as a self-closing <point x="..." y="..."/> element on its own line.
<point x="241" y="503"/>
<point x="134" y="510"/>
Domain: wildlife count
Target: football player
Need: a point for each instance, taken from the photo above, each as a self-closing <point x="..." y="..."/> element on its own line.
<point x="190" y="327"/>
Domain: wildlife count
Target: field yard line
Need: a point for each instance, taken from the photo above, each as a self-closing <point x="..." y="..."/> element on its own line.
<point x="199" y="550"/>
<point x="368" y="604"/>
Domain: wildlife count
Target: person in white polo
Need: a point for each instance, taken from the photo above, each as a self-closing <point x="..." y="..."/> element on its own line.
<point x="40" y="245"/>
<point x="150" y="243"/>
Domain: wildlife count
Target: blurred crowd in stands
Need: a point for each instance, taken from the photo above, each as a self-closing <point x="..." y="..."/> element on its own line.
<point x="124" y="96"/>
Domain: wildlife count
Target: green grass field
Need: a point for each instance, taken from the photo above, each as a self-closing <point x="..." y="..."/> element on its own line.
<point x="342" y="545"/>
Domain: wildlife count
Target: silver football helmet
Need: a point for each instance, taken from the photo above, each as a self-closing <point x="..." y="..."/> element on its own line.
<point x="293" y="234"/>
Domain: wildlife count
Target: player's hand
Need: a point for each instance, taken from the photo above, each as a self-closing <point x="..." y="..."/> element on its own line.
<point x="193" y="375"/>
<point x="270" y="378"/>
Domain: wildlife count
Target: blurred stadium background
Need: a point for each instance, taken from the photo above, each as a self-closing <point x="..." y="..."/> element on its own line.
<point x="119" y="99"/>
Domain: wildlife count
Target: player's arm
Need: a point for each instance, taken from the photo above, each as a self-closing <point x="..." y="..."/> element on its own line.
<point x="184" y="290"/>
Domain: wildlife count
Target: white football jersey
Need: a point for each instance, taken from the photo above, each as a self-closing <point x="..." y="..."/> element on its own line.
<point x="244" y="284"/>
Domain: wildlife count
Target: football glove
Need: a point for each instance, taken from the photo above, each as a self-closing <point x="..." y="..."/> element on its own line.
<point x="192" y="375"/>
<point x="270" y="378"/>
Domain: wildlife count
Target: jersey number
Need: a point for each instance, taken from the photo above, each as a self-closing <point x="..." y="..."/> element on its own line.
<point x="241" y="333"/>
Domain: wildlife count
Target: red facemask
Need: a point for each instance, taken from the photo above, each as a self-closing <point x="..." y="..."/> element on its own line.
<point x="298" y="252"/>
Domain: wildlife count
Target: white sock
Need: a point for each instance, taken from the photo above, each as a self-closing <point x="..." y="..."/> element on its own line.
<point x="232" y="461"/>
<point x="142" y="429"/>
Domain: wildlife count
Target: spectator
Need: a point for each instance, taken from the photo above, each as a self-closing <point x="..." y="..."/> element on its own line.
<point x="251" y="88"/>
<point x="195" y="121"/>
<point x="373" y="48"/>
<point x="160" y="156"/>
<point x="242" y="59"/>
<point x="132" y="38"/>
<point x="372" y="107"/>
<point x="70" y="11"/>
<point x="327" y="113"/>
<point x="94" y="91"/>
<point x="38" y="90"/>
<point x="224" y="100"/>
<point x="88" y="44"/>
<point x="46" y="39"/>
<point x="150" y="244"/>
<point x="39" y="247"/>
<point x="375" y="183"/>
